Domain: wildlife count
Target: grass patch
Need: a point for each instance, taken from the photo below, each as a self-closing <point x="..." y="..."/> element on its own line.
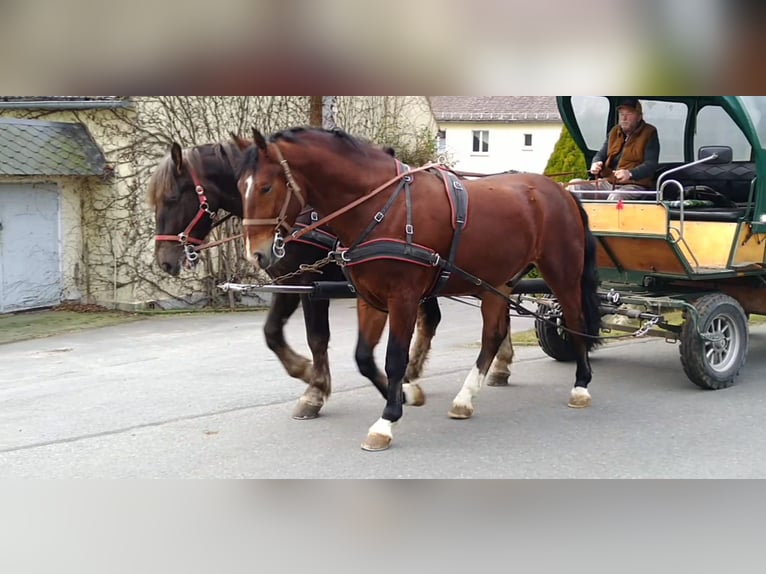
<point x="38" y="324"/>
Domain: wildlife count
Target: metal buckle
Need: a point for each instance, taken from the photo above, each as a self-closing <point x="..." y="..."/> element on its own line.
<point x="410" y="230"/>
<point x="380" y="216"/>
<point x="278" y="247"/>
<point x="191" y="254"/>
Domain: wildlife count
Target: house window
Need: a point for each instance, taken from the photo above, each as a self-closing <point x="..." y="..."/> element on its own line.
<point x="441" y="141"/>
<point x="481" y="141"/>
<point x="527" y="140"/>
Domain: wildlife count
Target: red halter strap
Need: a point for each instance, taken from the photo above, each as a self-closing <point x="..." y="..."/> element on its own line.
<point x="185" y="238"/>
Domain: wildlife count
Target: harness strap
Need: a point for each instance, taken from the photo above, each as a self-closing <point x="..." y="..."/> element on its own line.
<point x="409" y="229"/>
<point x="387" y="249"/>
<point x="359" y="201"/>
<point x="381" y="215"/>
<point x="391" y="249"/>
<point x="459" y="196"/>
<point x="316" y="237"/>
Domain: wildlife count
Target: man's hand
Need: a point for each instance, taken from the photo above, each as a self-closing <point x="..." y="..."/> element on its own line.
<point x="622" y="175"/>
<point x="596" y="168"/>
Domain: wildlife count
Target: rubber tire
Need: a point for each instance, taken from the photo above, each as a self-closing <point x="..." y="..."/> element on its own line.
<point x="692" y="350"/>
<point x="552" y="343"/>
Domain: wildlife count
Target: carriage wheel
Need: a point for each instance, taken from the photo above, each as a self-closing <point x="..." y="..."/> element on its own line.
<point x="553" y="340"/>
<point x="714" y="361"/>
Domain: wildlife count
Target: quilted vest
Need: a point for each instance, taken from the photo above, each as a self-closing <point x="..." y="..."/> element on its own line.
<point x="633" y="152"/>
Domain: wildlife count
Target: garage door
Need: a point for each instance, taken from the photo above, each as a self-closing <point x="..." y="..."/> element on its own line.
<point x="30" y="251"/>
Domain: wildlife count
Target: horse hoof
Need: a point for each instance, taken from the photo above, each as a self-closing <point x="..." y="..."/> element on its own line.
<point x="414" y="395"/>
<point x="376" y="443"/>
<point x="580" y="398"/>
<point x="498" y="380"/>
<point x="305" y="411"/>
<point x="461" y="412"/>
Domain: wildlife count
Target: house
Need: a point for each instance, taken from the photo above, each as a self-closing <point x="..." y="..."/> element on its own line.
<point x="75" y="224"/>
<point x="48" y="170"/>
<point x="490" y="134"/>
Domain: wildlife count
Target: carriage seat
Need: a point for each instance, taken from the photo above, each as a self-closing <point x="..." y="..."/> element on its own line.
<point x="732" y="180"/>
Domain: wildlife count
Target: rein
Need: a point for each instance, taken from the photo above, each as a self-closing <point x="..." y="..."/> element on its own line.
<point x="360" y="201"/>
<point x="509" y="172"/>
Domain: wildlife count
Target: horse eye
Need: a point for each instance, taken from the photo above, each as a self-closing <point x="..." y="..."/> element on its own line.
<point x="266" y="190"/>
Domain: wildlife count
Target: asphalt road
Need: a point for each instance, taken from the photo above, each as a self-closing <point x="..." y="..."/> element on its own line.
<point x="200" y="396"/>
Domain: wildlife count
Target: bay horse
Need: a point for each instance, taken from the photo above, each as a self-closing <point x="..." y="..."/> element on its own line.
<point x="187" y="190"/>
<point x="418" y="234"/>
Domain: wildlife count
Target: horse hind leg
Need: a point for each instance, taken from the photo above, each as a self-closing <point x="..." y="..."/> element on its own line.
<point x="316" y="317"/>
<point x="569" y="296"/>
<point x="495" y="331"/>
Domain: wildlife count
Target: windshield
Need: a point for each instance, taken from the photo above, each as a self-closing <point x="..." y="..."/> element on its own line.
<point x="756" y="109"/>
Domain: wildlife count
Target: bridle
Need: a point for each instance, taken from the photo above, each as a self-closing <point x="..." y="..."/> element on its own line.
<point x="279" y="222"/>
<point x="191" y="245"/>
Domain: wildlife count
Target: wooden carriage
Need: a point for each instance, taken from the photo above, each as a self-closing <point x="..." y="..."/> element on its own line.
<point x="696" y="243"/>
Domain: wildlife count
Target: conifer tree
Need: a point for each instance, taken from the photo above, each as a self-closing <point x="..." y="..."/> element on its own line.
<point x="567" y="159"/>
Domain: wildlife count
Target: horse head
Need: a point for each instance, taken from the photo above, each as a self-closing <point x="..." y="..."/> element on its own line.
<point x="271" y="197"/>
<point x="327" y="168"/>
<point x="186" y="190"/>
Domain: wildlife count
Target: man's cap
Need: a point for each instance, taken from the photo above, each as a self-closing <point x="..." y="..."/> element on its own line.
<point x="631" y="103"/>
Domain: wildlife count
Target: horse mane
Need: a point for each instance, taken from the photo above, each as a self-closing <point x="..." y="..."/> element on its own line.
<point x="300" y="135"/>
<point x="164" y="176"/>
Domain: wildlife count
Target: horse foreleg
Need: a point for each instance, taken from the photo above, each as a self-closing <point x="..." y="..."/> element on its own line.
<point x="316" y="317"/>
<point x="429" y="317"/>
<point x="495" y="331"/>
<point x="283" y="305"/>
<point x="402" y="320"/>
<point x="371" y="325"/>
<point x="500" y="372"/>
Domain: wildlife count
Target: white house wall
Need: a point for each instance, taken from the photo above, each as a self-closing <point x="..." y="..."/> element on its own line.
<point x="506" y="146"/>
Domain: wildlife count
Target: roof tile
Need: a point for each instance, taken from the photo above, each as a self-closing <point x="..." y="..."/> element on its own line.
<point x="500" y="109"/>
<point x="29" y="147"/>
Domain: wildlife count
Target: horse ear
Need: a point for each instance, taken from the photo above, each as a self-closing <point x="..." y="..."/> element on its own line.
<point x="240" y="142"/>
<point x="178" y="157"/>
<point x="260" y="141"/>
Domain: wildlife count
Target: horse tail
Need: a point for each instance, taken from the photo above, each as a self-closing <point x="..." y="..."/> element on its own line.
<point x="589" y="284"/>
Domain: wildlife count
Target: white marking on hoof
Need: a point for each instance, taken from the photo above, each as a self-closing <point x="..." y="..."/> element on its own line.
<point x="580" y="398"/>
<point x="382" y="427"/>
<point x="413" y="395"/>
<point x="380" y="436"/>
<point x="462" y="406"/>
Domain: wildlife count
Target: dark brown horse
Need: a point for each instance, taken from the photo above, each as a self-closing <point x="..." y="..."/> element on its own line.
<point x="422" y="234"/>
<point x="187" y="190"/>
